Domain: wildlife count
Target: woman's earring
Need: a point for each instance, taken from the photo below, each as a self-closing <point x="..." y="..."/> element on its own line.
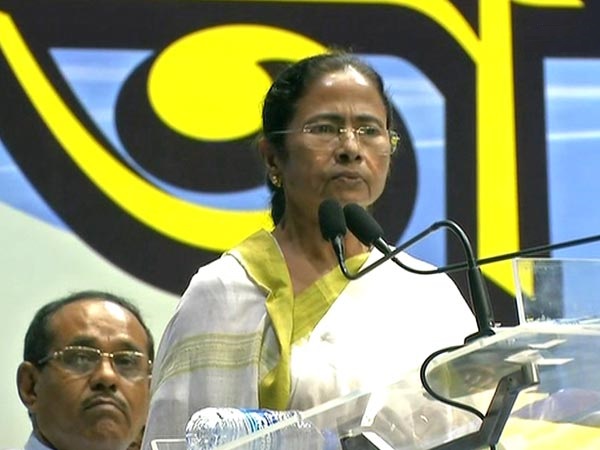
<point x="275" y="180"/>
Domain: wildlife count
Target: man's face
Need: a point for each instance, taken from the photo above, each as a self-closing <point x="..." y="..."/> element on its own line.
<point x="99" y="409"/>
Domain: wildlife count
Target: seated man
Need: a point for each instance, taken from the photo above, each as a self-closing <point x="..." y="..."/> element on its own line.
<point x="86" y="373"/>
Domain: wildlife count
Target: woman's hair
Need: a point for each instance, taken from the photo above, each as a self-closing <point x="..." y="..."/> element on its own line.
<point x="280" y="103"/>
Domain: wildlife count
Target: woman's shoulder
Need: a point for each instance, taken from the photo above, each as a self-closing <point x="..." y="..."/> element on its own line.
<point x="221" y="274"/>
<point x="220" y="292"/>
<point x="218" y="267"/>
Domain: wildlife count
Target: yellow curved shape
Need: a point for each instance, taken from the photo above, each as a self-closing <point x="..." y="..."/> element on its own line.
<point x="208" y="228"/>
<point x="497" y="190"/>
<point x="208" y="85"/>
<point x="442" y="12"/>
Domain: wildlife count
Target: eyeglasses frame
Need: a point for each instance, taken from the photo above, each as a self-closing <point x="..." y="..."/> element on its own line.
<point x="110" y="355"/>
<point x="393" y="136"/>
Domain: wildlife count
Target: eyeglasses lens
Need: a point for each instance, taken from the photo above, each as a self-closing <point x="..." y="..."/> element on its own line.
<point x="82" y="360"/>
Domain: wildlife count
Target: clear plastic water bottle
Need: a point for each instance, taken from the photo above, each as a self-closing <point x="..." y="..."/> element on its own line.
<point x="211" y="427"/>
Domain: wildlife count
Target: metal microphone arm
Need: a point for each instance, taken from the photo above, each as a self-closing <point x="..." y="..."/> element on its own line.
<point x="368" y="231"/>
<point x="479" y="262"/>
<point x="482" y="306"/>
<point x="355" y="276"/>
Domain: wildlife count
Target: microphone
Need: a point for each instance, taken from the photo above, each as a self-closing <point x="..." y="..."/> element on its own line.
<point x="454" y="267"/>
<point x="365" y="228"/>
<point x="333" y="229"/>
<point x="369" y="232"/>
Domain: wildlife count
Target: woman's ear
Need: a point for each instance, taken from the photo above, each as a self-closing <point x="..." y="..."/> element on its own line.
<point x="27" y="379"/>
<point x="272" y="160"/>
<point x="268" y="154"/>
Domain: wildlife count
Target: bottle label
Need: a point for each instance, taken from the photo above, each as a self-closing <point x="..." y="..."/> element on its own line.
<point x="257" y="419"/>
<point x="211" y="427"/>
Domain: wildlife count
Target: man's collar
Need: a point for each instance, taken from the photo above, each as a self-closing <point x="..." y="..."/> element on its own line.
<point x="34" y="444"/>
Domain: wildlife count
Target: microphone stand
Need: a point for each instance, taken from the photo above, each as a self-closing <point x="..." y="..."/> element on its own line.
<point x="509" y="386"/>
<point x="463" y="265"/>
<point x="493" y="423"/>
<point x="478" y="291"/>
<point x="477" y="288"/>
<point x="498" y="411"/>
<point x="355" y="276"/>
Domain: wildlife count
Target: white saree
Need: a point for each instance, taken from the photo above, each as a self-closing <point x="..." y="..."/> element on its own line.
<point x="240" y="338"/>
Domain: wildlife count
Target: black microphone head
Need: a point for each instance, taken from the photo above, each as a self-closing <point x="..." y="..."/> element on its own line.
<point x="362" y="224"/>
<point x="331" y="219"/>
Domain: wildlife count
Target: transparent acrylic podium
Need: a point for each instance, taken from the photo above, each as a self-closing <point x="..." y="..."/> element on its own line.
<point x="536" y="384"/>
<point x="561" y="290"/>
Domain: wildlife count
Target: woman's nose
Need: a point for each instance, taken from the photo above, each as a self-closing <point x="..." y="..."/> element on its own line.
<point x="348" y="147"/>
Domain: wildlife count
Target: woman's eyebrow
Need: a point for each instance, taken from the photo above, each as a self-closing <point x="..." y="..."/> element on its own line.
<point x="333" y="117"/>
<point x="370" y="118"/>
<point x="339" y="118"/>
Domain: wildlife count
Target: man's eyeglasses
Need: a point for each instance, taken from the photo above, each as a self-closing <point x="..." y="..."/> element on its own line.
<point x="84" y="360"/>
<point x="370" y="137"/>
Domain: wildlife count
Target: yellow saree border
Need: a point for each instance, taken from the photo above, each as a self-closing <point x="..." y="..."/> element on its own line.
<point x="293" y="318"/>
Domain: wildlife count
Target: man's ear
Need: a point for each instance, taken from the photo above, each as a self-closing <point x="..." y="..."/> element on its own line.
<point x="27" y="379"/>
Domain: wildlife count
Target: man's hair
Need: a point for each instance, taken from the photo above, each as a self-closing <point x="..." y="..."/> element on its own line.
<point x="39" y="336"/>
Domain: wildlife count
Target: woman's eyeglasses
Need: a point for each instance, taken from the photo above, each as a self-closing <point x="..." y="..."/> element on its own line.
<point x="370" y="137"/>
<point x="84" y="360"/>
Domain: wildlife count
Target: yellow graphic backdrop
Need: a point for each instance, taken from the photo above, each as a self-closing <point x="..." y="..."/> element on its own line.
<point x="131" y="183"/>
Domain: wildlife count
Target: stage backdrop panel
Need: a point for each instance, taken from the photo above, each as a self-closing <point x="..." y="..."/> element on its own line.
<point x="127" y="134"/>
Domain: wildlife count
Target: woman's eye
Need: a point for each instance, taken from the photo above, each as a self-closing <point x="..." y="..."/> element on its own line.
<point x="369" y="130"/>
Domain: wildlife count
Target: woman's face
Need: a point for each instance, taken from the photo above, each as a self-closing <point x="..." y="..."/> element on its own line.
<point x="347" y="167"/>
